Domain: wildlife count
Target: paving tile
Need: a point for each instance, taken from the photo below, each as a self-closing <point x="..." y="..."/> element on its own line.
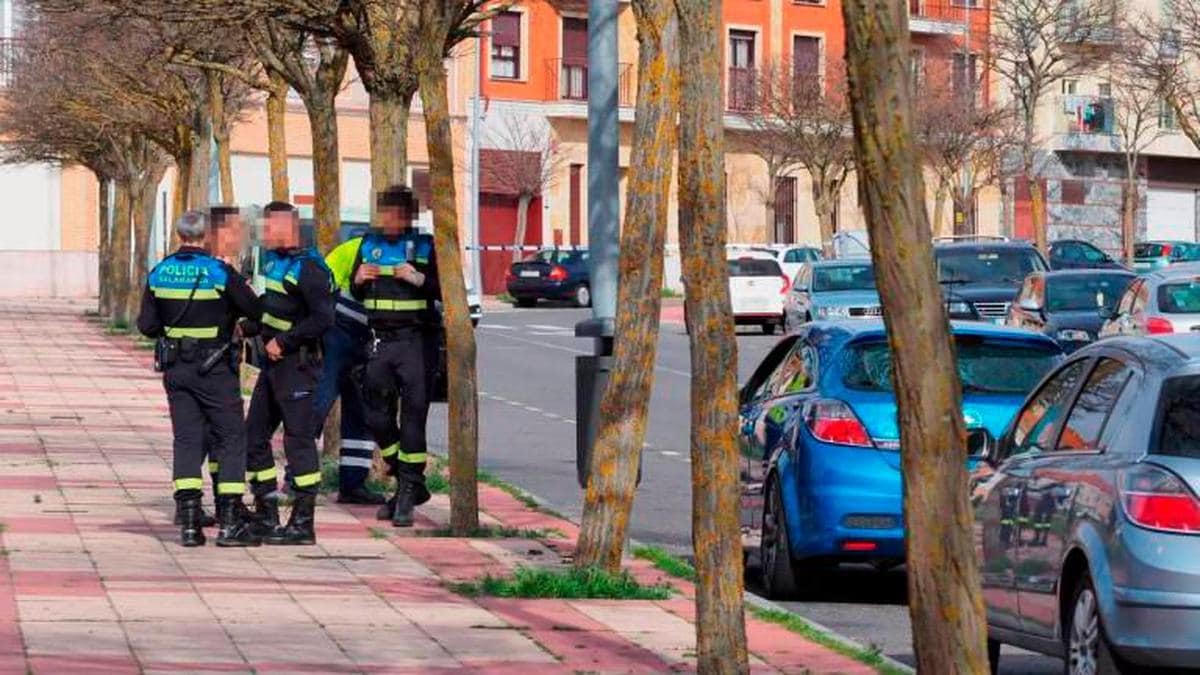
<point x="398" y="646"/>
<point x="50" y="608"/>
<point x="74" y="638"/>
<point x="160" y="607"/>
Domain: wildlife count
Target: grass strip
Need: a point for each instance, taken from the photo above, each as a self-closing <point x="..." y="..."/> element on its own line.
<point x="666" y="562"/>
<point x="567" y="584"/>
<point x="497" y="533"/>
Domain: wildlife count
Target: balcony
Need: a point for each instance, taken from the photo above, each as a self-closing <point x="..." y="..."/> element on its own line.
<point x="940" y="17"/>
<point x="567" y="82"/>
<point x="1084" y="123"/>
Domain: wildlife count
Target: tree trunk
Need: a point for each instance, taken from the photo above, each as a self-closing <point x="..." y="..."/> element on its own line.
<point x="1037" y="204"/>
<point x="939" y="208"/>
<point x="769" y="211"/>
<point x="277" y="138"/>
<point x="963" y="200"/>
<point x="104" y="248"/>
<point x="201" y="172"/>
<point x="220" y="126"/>
<point x="145" y="203"/>
<point x="716" y="490"/>
<point x="179" y="198"/>
<point x="121" y="238"/>
<point x="522" y="224"/>
<point x="322" y="118"/>
<point x="825" y="204"/>
<point x="460" y="336"/>
<point x="1129" y="207"/>
<point x="945" y="603"/>
<point x="625" y="404"/>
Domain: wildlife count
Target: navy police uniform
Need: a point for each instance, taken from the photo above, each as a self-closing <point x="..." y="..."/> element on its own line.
<point x="190" y="304"/>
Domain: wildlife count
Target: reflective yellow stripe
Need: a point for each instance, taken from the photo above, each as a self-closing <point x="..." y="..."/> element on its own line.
<point x="390" y="450"/>
<point x="188" y="483"/>
<point x="411" y="457"/>
<point x="262" y="476"/>
<point x="276" y="286"/>
<point x="292" y="279"/>
<point x="231" y="488"/>
<point x="395" y="305"/>
<point x="275" y="322"/>
<point x="185" y="293"/>
<point x="213" y="467"/>
<point x="387" y="270"/>
<point x="198" y="333"/>
<point x="307" y="479"/>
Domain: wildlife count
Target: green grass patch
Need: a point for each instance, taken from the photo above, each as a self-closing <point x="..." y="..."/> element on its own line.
<point x="499" y="533"/>
<point x="871" y="656"/>
<point x="3" y="528"/>
<point x="117" y="328"/>
<point x="378" y="533"/>
<point x="505" y="297"/>
<point x="666" y="562"/>
<point x="143" y="343"/>
<point x="568" y="584"/>
<point x="670" y="293"/>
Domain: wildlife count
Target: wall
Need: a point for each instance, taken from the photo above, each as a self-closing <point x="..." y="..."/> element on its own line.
<point x="48" y="274"/>
<point x="30" y="195"/>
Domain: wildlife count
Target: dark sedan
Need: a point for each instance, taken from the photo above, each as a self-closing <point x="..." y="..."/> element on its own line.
<point x="552" y="274"/>
<point x="1076" y="254"/>
<point x="1068" y="305"/>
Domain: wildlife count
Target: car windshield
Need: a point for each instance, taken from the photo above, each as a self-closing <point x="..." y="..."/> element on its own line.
<point x="800" y="255"/>
<point x="844" y="278"/>
<point x="1180" y="297"/>
<point x="553" y="257"/>
<point x="1090" y="292"/>
<point x="1002" y="267"/>
<point x="984" y="365"/>
<point x="1179" y="419"/>
<point x="754" y="267"/>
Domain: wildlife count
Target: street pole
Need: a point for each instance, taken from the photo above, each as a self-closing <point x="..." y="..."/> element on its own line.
<point x="476" y="256"/>
<point x="591" y="372"/>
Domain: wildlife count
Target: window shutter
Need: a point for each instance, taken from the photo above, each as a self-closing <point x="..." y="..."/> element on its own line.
<point x="506" y="29"/>
<point x="806" y="55"/>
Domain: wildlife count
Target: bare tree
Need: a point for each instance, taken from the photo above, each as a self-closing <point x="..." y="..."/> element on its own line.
<point x="526" y="165"/>
<point x="624" y="407"/>
<point x="945" y="603"/>
<point x="1170" y="57"/>
<point x="770" y="137"/>
<point x="1035" y="45"/>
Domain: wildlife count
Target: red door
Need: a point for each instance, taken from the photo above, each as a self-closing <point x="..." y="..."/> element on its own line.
<point x="498" y="227"/>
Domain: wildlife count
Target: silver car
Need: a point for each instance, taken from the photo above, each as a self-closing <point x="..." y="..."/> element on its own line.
<point x="1165" y="301"/>
<point x="1086" y="512"/>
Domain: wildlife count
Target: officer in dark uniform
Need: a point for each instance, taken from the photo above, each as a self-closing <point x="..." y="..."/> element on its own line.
<point x="189" y="306"/>
<point x="297" y="310"/>
<point x="395" y="277"/>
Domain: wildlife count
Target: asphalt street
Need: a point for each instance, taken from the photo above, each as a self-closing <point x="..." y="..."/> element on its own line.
<point x="527" y="437"/>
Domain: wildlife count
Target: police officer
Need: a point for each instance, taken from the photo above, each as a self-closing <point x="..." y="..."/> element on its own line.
<point x="346" y="347"/>
<point x="189" y="306"/>
<point x="297" y="310"/>
<point x="395" y="277"/>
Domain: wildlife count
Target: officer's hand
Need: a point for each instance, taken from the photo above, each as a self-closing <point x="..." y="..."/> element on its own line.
<point x="410" y="274"/>
<point x="274" y="350"/>
<point x="366" y="273"/>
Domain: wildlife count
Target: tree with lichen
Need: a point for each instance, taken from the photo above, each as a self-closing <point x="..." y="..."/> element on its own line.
<point x="624" y="406"/>
<point x="945" y="603"/>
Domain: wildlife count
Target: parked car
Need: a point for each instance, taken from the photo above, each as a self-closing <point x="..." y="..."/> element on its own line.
<point x="1166" y="301"/>
<point x="1149" y="256"/>
<point x="757" y="288"/>
<point x="820" y="443"/>
<point x="1068" y="305"/>
<point x="552" y="274"/>
<point x="1088" y="526"/>
<point x="791" y="257"/>
<point x="981" y="276"/>
<point x="831" y="289"/>
<point x="1075" y="254"/>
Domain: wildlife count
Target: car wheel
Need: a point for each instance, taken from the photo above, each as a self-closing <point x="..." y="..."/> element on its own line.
<point x="583" y="296"/>
<point x="525" y="302"/>
<point x="782" y="577"/>
<point x="768" y="328"/>
<point x="1087" y="648"/>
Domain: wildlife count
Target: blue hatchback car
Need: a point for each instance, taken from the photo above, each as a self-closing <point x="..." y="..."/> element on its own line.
<point x="820" y="442"/>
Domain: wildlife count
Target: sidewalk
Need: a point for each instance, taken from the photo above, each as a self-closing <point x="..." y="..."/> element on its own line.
<point x="92" y="578"/>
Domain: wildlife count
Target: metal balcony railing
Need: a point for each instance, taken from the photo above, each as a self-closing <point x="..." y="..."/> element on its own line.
<point x="743" y="89"/>
<point x="942" y="17"/>
<point x="568" y="81"/>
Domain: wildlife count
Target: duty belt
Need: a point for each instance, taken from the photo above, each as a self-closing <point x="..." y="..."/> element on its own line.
<point x="398" y="333"/>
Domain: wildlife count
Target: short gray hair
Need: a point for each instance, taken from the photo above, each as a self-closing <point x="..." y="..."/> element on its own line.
<point x="192" y="226"/>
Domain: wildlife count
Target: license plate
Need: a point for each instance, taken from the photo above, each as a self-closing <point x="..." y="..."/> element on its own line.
<point x="999" y="320"/>
<point x="530" y="274"/>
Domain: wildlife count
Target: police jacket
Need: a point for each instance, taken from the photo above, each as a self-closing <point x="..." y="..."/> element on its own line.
<point x="191" y="294"/>
<point x="298" y="302"/>
<point x="350" y="313"/>
<point x="392" y="302"/>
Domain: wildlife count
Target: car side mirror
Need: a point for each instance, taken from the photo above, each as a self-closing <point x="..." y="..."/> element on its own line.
<point x="985" y="451"/>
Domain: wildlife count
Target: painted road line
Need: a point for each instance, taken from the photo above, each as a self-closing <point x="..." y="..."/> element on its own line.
<point x="668" y="453"/>
<point x="542" y="326"/>
<point x="572" y="350"/>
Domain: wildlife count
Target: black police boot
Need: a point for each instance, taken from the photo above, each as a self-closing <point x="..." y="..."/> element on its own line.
<point x="389" y="507"/>
<point x="206" y="520"/>
<point x="265" y="518"/>
<point x="360" y="495"/>
<point x="405" y="500"/>
<point x="237" y="530"/>
<point x="299" y="529"/>
<point x="189" y="512"/>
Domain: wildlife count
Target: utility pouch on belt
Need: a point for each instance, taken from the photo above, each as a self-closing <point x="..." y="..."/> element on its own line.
<point x="189" y="349"/>
<point x="166" y="353"/>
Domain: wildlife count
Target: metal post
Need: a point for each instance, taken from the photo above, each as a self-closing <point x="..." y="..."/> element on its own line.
<point x="476" y="256"/>
<point x="591" y="372"/>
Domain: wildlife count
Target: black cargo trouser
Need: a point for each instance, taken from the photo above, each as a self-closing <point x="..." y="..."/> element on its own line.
<point x="206" y="416"/>
<point x="398" y="382"/>
<point x="284" y="394"/>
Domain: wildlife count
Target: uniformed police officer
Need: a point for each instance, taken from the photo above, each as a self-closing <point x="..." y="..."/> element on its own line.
<point x="189" y="306"/>
<point x="297" y="310"/>
<point x="395" y="277"/>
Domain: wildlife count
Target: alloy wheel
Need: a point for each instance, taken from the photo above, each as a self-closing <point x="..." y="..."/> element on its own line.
<point x="1084" y="640"/>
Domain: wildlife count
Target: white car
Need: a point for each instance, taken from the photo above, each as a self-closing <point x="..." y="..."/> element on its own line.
<point x="757" y="290"/>
<point x="791" y="256"/>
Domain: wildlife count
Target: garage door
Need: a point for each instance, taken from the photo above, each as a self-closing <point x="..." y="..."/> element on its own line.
<point x="1171" y="214"/>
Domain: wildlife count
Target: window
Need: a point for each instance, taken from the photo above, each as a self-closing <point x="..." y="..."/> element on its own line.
<point x="756" y="388"/>
<point x="1126" y="305"/>
<point x="1166" y="116"/>
<point x="785" y="210"/>
<point x="741" y="69"/>
<point x="1069" y="87"/>
<point x="796" y="373"/>
<point x="984" y="365"/>
<point x="1036" y="423"/>
<point x="1179" y="425"/>
<point x="806" y="56"/>
<point x="801" y="255"/>
<point x="1104" y="89"/>
<point x="917" y="65"/>
<point x="1179" y="298"/>
<point x="1073" y="192"/>
<point x="1096" y="400"/>
<point x="964" y="76"/>
<point x="506" y="45"/>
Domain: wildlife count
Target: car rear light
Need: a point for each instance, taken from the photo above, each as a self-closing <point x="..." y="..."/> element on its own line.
<point x="1159" y="500"/>
<point x="1166" y="250"/>
<point x="859" y="546"/>
<point x="834" y="422"/>
<point x="787" y="285"/>
<point x="1157" y="325"/>
<point x="557" y="273"/>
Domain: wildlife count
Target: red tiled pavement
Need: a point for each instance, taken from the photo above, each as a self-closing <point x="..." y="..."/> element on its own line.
<point x="93" y="581"/>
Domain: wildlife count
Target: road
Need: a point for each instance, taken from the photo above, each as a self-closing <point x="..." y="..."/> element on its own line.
<point x="527" y="433"/>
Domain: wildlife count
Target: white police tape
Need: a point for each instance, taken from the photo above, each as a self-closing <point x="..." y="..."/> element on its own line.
<point x="511" y="247"/>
